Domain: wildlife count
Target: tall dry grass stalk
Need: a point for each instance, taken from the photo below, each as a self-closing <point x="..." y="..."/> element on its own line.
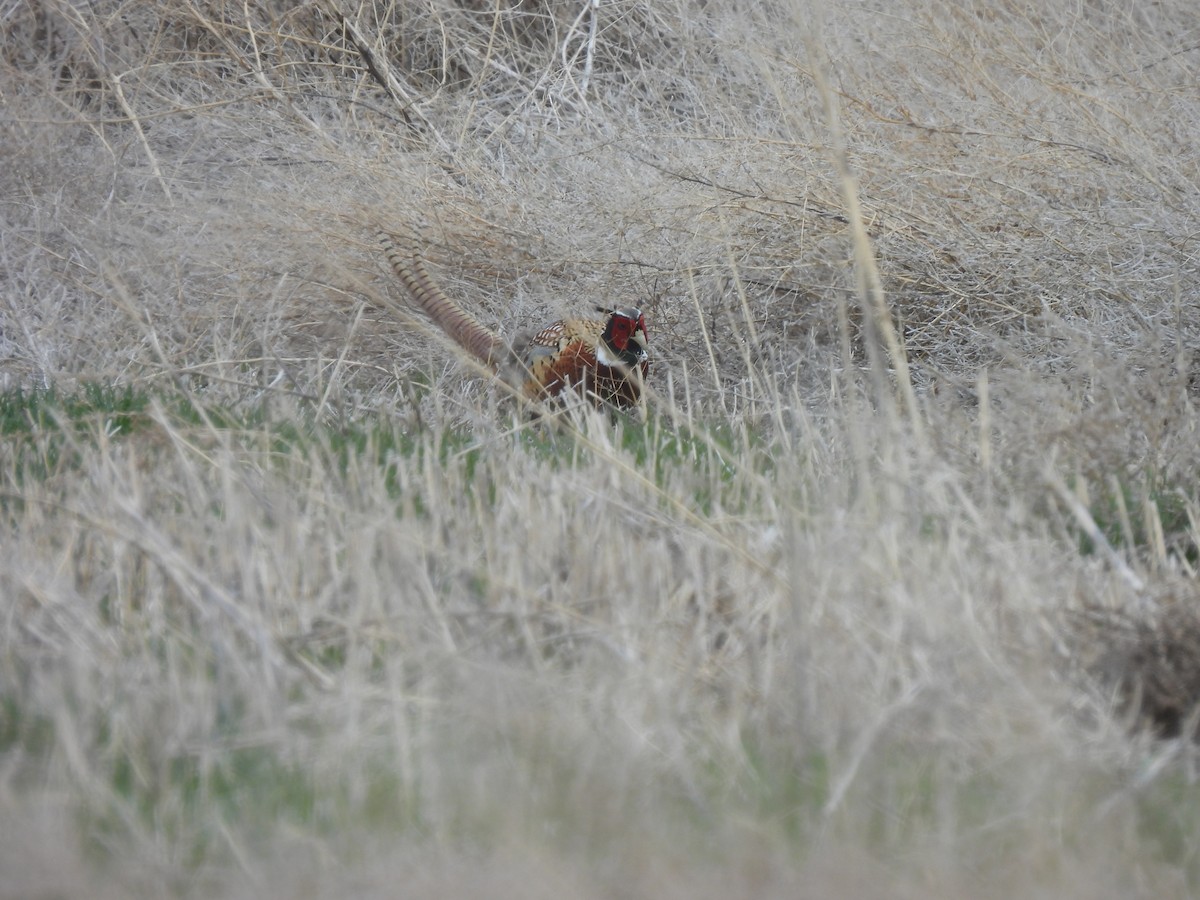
<point x="891" y="594"/>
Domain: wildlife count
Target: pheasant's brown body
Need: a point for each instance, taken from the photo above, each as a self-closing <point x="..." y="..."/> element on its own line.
<point x="563" y="355"/>
<point x="604" y="360"/>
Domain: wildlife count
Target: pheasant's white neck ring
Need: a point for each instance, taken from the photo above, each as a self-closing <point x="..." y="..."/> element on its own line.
<point x="605" y="358"/>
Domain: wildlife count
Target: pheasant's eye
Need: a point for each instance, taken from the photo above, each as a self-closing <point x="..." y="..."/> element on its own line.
<point x="620" y="331"/>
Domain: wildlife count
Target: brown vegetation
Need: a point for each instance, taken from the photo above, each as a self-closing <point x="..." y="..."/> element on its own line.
<point x="892" y="594"/>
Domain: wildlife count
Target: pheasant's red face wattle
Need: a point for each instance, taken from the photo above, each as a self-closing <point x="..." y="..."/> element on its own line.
<point x="622" y="328"/>
<point x="625" y="333"/>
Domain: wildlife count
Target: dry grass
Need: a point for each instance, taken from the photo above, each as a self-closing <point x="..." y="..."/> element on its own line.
<point x="893" y="593"/>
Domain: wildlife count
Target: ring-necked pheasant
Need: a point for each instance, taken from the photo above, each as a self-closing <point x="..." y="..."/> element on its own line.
<point x="604" y="360"/>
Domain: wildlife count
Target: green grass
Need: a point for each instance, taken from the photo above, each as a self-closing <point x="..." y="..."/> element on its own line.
<point x="1146" y="517"/>
<point x="1168" y="821"/>
<point x="40" y="428"/>
<point x="114" y="410"/>
<point x="45" y="430"/>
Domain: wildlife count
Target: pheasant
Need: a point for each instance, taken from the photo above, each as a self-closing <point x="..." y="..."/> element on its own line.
<point x="604" y="360"/>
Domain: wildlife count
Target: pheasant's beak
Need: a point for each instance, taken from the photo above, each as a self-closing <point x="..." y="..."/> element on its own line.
<point x="639" y="338"/>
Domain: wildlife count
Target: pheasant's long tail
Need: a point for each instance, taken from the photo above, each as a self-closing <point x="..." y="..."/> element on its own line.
<point x="459" y="324"/>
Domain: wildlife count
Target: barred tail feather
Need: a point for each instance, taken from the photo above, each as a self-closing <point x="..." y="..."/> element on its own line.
<point x="449" y="316"/>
